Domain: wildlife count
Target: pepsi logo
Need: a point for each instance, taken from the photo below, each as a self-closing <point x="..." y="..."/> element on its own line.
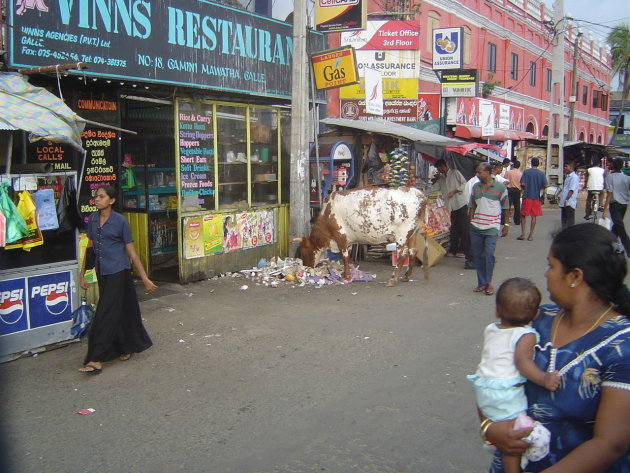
<point x="11" y="311"/>
<point x="56" y="302"/>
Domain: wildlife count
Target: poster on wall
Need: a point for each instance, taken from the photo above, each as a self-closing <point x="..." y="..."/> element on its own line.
<point x="195" y="155"/>
<point x="193" y="238"/>
<point x="257" y="228"/>
<point x="213" y="234"/>
<point x="232" y="229"/>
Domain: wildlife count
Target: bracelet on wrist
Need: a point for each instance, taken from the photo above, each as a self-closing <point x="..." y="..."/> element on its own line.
<point x="483" y="428"/>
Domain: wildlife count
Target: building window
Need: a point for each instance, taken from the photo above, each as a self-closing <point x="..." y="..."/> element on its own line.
<point x="514" y="66"/>
<point x="532" y="74"/>
<point x="492" y="57"/>
<point x="584" y="94"/>
<point x="604" y="101"/>
<point x="467" y="45"/>
<point x="597" y="99"/>
<point x="548" y="82"/>
<point x="433" y="23"/>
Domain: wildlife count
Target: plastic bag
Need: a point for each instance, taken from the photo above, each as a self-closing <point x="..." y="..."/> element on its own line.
<point x="81" y="320"/>
<point x="26" y="208"/>
<point x="67" y="210"/>
<point x="3" y="227"/>
<point x="605" y="222"/>
<point x="46" y="211"/>
<point x="15" y="224"/>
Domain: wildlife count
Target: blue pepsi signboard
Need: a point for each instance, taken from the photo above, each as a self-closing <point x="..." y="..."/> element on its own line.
<point x="49" y="299"/>
<point x="13" y="306"/>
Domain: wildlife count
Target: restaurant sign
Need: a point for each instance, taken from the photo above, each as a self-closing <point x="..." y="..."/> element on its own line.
<point x="180" y="42"/>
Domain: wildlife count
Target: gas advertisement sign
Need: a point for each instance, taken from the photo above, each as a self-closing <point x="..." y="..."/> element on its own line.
<point x="13" y="306"/>
<point x="49" y="299"/>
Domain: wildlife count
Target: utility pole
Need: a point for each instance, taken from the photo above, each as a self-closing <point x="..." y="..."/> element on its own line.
<point x="555" y="139"/>
<point x="573" y="98"/>
<point x="299" y="215"/>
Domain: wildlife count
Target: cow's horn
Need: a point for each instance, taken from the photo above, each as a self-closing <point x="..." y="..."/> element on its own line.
<point x="297" y="239"/>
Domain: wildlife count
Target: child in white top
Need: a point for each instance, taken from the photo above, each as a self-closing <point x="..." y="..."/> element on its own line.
<point x="507" y="362"/>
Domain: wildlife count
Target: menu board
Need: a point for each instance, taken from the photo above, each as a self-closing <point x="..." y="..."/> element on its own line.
<point x="195" y="146"/>
<point x="100" y="166"/>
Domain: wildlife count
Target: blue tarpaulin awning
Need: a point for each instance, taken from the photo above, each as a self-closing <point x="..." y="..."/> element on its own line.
<point x="34" y="109"/>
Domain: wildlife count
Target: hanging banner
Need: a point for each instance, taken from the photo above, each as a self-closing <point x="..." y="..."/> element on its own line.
<point x="332" y="16"/>
<point x="504" y="116"/>
<point x="373" y="92"/>
<point x="486" y="117"/>
<point x="448" y="48"/>
<point x="334" y="68"/>
<point x="393" y="34"/>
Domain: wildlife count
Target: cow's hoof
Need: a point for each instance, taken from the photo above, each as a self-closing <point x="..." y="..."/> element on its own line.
<point x="390" y="283"/>
<point x="405" y="279"/>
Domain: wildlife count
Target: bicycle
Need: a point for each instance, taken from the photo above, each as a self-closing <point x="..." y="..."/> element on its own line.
<point x="593" y="206"/>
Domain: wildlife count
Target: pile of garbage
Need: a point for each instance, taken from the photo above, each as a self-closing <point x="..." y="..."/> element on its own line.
<point x="278" y="271"/>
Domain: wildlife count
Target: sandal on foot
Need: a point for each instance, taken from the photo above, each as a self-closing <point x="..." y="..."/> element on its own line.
<point x="520" y="238"/>
<point x="480" y="288"/>
<point x="125" y="357"/>
<point x="93" y="369"/>
<point x="530" y="238"/>
<point x="489" y="290"/>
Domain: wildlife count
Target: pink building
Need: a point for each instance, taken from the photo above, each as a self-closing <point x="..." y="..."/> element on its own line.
<point x="509" y="43"/>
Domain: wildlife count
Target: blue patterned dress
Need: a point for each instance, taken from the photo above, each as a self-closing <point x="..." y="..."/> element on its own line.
<point x="598" y="359"/>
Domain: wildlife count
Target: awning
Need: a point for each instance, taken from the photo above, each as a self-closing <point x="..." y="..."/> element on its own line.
<point x="424" y="141"/>
<point x="34" y="109"/>
<point x="471" y="132"/>
<point x="494" y="151"/>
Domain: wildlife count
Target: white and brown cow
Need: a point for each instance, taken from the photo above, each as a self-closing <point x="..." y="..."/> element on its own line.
<point x="367" y="216"/>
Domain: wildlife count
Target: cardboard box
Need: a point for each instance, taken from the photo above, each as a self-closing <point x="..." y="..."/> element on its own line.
<point x="265" y="177"/>
<point x="436" y="252"/>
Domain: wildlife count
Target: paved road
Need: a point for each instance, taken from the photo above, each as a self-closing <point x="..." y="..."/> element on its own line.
<point x="353" y="378"/>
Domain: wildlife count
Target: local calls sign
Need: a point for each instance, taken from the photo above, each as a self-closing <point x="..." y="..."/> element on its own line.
<point x="187" y="42"/>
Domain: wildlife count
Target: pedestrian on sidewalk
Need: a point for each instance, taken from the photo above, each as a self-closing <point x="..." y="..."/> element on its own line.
<point x="513" y="185"/>
<point x="117" y="330"/>
<point x="568" y="198"/>
<point x="469" y="263"/>
<point x="585" y="335"/>
<point x="618" y="195"/>
<point x="533" y="181"/>
<point x="450" y="183"/>
<point x="488" y="203"/>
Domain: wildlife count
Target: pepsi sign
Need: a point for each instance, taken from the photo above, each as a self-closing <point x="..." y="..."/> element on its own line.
<point x="13" y="306"/>
<point x="50" y="299"/>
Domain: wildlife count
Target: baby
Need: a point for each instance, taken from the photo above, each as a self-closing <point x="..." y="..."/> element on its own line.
<point x="507" y="362"/>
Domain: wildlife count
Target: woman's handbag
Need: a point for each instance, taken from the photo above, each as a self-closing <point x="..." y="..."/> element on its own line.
<point x="81" y="319"/>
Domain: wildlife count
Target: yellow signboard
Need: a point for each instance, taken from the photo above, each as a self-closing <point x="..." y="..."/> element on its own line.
<point x="334" y="68"/>
<point x="392" y="89"/>
<point x="340" y="15"/>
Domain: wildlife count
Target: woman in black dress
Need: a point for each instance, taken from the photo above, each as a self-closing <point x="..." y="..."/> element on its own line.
<point x="117" y="330"/>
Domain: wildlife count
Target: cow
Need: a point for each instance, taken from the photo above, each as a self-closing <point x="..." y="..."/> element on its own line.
<point x="368" y="216"/>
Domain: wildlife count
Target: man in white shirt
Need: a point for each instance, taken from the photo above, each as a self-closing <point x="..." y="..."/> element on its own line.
<point x="594" y="186"/>
<point x="451" y="184"/>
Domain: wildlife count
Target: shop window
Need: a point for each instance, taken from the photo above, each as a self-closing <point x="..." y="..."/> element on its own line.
<point x="532" y="74"/>
<point x="263" y="138"/>
<point x="514" y="66"/>
<point x="232" y="156"/>
<point x="492" y="57"/>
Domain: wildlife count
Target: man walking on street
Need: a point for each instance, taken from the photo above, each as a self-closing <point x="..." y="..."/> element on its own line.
<point x="594" y="186"/>
<point x="513" y="185"/>
<point x="451" y="183"/>
<point x="532" y="182"/>
<point x="618" y="195"/>
<point x="488" y="202"/>
<point x="568" y="198"/>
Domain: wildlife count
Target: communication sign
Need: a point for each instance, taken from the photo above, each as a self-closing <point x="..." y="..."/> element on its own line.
<point x="334" y="68"/>
<point x="49" y="299"/>
<point x="180" y="42"/>
<point x="459" y="83"/>
<point x="394" y="34"/>
<point x="340" y="15"/>
<point x="13" y="306"/>
<point x="448" y="48"/>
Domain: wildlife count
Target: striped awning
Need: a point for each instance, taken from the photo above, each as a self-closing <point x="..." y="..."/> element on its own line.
<point x="34" y="109"/>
